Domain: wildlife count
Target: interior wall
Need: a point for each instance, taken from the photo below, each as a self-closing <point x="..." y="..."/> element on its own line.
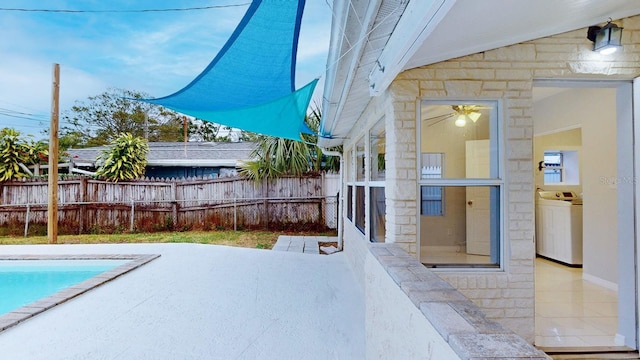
<point x="594" y="110"/>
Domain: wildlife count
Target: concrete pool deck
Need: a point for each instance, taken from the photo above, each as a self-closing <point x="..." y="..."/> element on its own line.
<point x="201" y="302"/>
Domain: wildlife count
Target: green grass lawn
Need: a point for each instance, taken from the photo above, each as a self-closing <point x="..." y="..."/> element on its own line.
<point x="248" y="239"/>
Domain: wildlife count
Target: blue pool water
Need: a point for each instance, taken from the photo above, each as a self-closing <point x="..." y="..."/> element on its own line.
<point x="25" y="281"/>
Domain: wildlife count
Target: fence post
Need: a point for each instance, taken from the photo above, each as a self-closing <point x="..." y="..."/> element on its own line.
<point x="83" y="205"/>
<point x="174" y="204"/>
<point x="266" y="203"/>
<point x="235" y="213"/>
<point x="26" y="221"/>
<point x="131" y="220"/>
<point x="235" y="205"/>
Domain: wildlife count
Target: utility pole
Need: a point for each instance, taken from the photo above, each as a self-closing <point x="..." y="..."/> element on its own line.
<point x="146" y="126"/>
<point x="184" y="125"/>
<point x="52" y="221"/>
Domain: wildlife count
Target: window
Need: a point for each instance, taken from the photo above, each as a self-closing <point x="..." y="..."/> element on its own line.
<point x="460" y="184"/>
<point x="360" y="158"/>
<point x="431" y="197"/>
<point x="350" y="202"/>
<point x="366" y="183"/>
<point x="553" y="167"/>
<point x="378" y="151"/>
<point x="377" y="207"/>
<point x="360" y="208"/>
<point x="431" y="201"/>
<point x="561" y="167"/>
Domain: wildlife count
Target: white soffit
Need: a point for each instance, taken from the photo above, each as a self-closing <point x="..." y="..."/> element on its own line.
<point x="473" y="26"/>
<point x="431" y="31"/>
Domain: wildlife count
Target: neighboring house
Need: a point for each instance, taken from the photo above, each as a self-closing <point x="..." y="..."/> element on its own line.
<point x="179" y="160"/>
<point x="446" y="109"/>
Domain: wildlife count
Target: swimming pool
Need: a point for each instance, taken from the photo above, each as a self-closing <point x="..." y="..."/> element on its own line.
<point x="25" y="281"/>
<point x="31" y="284"/>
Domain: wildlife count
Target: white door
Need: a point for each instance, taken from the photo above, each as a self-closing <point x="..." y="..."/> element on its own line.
<point x="478" y="199"/>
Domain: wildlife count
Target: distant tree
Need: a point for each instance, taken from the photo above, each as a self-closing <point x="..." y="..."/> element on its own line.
<point x="126" y="159"/>
<point x="201" y="130"/>
<point x="102" y="118"/>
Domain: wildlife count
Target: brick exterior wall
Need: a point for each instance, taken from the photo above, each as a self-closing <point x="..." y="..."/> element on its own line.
<point x="505" y="74"/>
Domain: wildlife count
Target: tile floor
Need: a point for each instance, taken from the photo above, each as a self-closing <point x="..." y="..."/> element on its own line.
<point x="571" y="312"/>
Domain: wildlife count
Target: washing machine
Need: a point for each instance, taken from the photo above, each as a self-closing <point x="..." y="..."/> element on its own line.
<point x="559" y="226"/>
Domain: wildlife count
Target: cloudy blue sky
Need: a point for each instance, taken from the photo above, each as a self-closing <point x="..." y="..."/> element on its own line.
<point x="154" y="52"/>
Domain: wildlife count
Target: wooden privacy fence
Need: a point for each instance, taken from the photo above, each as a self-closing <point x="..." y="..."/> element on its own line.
<point x="94" y="206"/>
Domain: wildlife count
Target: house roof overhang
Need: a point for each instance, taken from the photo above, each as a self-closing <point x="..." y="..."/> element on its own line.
<point x="372" y="42"/>
<point x="194" y="162"/>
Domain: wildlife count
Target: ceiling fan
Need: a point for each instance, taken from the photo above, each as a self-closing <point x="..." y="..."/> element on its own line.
<point x="462" y="113"/>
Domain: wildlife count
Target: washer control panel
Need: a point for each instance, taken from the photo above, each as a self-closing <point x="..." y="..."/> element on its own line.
<point x="558" y="195"/>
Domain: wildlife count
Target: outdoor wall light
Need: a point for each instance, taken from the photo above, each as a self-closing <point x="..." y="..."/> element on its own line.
<point x="606" y="39"/>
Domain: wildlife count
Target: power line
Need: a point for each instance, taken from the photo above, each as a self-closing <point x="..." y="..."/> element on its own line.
<point x="17" y="105"/>
<point x="22" y="126"/>
<point x="9" y="111"/>
<point x="124" y="11"/>
<point x="20" y="117"/>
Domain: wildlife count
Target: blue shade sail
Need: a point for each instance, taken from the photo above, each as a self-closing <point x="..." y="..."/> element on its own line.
<point x="250" y="84"/>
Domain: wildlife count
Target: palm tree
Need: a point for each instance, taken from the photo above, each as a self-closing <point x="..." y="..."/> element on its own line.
<point x="125" y="160"/>
<point x="277" y="157"/>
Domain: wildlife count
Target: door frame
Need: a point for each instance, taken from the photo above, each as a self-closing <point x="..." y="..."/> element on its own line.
<point x="627" y="136"/>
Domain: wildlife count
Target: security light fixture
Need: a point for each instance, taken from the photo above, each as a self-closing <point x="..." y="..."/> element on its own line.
<point x="606" y="39"/>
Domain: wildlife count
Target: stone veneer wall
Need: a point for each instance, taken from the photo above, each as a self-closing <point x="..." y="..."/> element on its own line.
<point x="504" y="74"/>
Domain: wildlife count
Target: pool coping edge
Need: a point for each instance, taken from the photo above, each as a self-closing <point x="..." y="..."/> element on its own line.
<point x="30" y="310"/>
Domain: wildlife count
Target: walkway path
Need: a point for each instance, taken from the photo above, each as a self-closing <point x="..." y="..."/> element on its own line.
<point x="302" y="244"/>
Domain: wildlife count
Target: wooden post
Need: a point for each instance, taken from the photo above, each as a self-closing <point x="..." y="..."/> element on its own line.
<point x="83" y="205"/>
<point x="266" y="203"/>
<point x="235" y="206"/>
<point x="146" y="126"/>
<point x="174" y="205"/>
<point x="184" y="126"/>
<point x="52" y="221"/>
<point x="26" y="221"/>
<point x="132" y="216"/>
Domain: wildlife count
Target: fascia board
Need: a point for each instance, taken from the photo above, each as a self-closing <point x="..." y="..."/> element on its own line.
<point x="192" y="162"/>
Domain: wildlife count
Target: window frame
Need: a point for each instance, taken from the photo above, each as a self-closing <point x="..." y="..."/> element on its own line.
<point x="360" y="183"/>
<point x="357" y="183"/>
<point x="374" y="135"/>
<point x="496" y="139"/>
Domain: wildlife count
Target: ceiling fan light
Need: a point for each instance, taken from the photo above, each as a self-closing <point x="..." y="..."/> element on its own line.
<point x="474" y="116"/>
<point x="461" y="121"/>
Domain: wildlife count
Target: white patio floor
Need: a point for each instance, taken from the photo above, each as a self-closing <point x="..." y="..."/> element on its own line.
<point x="201" y="302"/>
